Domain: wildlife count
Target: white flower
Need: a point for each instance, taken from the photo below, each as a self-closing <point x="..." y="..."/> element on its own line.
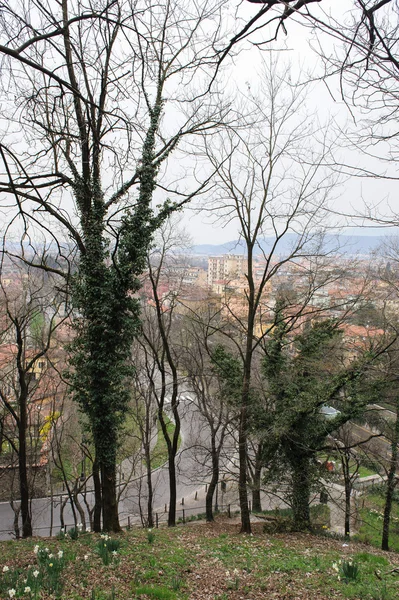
<point x="80" y="526"/>
<point x="60" y="554"/>
<point x="335" y="567"/>
<point x="345" y="545"/>
<point x="11" y="593"/>
<point x="47" y="550"/>
<point x="36" y="549"/>
<point x="27" y="590"/>
<point x="236" y="572"/>
<point x="227" y="573"/>
<point x="88" y="530"/>
<point x="5" y="569"/>
<point x="86" y="556"/>
<point x="114" y="552"/>
<point x="35" y="574"/>
<point x="51" y="555"/>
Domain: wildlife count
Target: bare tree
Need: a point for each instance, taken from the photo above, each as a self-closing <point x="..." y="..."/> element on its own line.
<point x="159" y="334"/>
<point x="270" y="181"/>
<point x="217" y="414"/>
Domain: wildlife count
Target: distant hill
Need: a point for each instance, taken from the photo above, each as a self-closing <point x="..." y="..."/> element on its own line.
<point x="346" y="244"/>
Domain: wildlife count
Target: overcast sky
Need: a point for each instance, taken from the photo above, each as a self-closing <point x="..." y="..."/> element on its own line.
<point x="296" y="46"/>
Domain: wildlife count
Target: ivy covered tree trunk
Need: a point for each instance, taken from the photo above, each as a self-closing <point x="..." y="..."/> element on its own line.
<point x="100" y="358"/>
<point x="300" y="491"/>
<point x="110" y="502"/>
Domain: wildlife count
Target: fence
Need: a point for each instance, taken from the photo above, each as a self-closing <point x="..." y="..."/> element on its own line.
<point x="197" y="512"/>
<point x="184" y="515"/>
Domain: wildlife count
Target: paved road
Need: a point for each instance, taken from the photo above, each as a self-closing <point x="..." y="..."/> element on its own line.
<point x="192" y="478"/>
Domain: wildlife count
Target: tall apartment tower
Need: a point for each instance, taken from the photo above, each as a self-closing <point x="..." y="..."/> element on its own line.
<point x="228" y="266"/>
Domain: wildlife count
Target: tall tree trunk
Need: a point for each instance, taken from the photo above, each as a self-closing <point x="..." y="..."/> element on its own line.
<point x="391" y="483"/>
<point x="22" y="464"/>
<point x="150" y="492"/>
<point x="243" y="452"/>
<point x="242" y="473"/>
<point x="246" y="382"/>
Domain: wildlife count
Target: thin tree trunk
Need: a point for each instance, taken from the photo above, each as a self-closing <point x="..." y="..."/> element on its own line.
<point x="256" y="481"/>
<point x="150" y="496"/>
<point x="90" y="510"/>
<point x="242" y="474"/>
<point x="62" y="507"/>
<point x="79" y="506"/>
<point x="345" y="462"/>
<point x="243" y="455"/>
<point x="172" y="490"/>
<point x="22" y="465"/>
<point x="51" y="510"/>
<point x="348" y="490"/>
<point x="212" y="485"/>
<point x="243" y="421"/>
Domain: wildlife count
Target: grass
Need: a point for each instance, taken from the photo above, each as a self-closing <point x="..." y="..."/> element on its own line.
<point x="200" y="562"/>
<point x="365" y="472"/>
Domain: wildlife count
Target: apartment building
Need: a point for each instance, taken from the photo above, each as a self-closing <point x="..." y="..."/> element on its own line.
<point x="226" y="267"/>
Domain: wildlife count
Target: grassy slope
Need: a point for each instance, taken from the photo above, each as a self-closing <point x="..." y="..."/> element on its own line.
<point x="192" y="562"/>
<point x="371" y="516"/>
